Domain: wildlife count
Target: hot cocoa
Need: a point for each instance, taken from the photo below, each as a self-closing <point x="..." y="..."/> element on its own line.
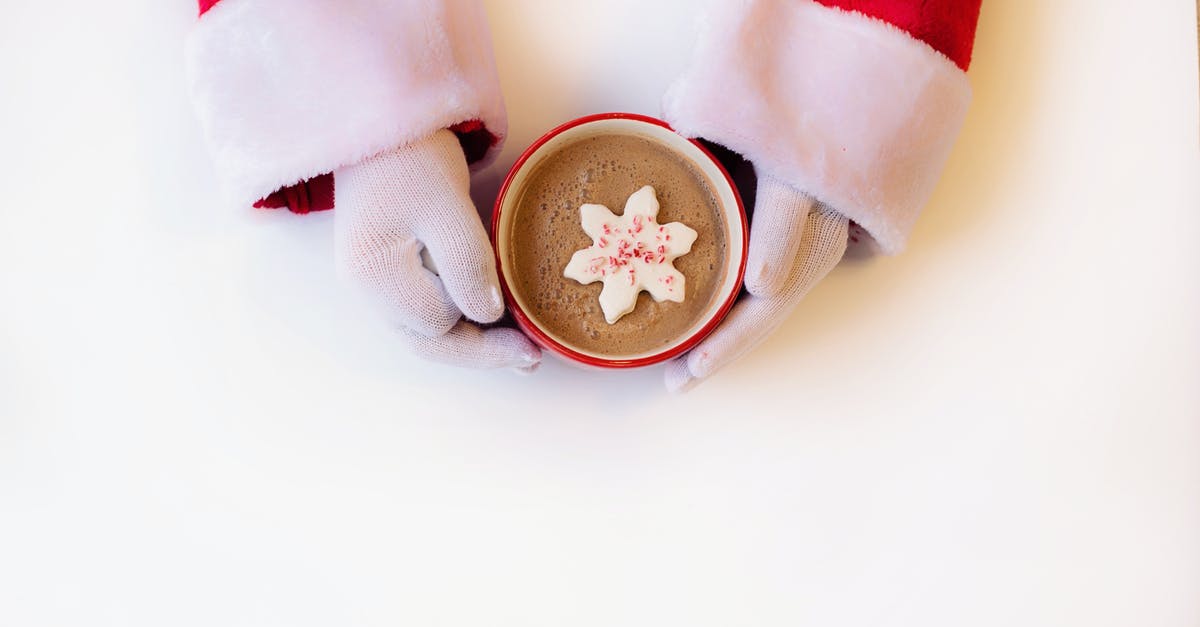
<point x="547" y="230"/>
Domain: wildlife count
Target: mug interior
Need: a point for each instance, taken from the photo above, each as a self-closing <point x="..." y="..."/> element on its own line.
<point x="658" y="132"/>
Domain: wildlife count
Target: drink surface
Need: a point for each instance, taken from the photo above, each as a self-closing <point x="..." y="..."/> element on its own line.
<point x="546" y="231"/>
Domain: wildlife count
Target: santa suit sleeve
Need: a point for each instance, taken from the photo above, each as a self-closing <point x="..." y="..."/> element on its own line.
<point x="288" y="90"/>
<point x="856" y="102"/>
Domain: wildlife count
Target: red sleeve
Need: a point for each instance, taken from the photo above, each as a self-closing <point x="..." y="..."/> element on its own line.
<point x="315" y="191"/>
<point x="947" y="26"/>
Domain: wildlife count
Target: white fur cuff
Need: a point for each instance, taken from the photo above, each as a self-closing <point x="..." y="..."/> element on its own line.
<point x="842" y="106"/>
<point x="290" y="89"/>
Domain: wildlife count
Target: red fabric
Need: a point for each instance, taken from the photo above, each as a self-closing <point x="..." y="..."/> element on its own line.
<point x="474" y="138"/>
<point x="948" y="26"/>
<point x="315" y="194"/>
<point x="205" y="5"/>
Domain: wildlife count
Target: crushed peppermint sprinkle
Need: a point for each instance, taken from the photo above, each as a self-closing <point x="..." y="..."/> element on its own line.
<point x="629" y="258"/>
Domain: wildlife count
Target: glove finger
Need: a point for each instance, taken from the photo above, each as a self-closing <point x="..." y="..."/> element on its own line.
<point x="454" y="235"/>
<point x="468" y="346"/>
<point x="678" y="376"/>
<point x="748" y="323"/>
<point x="754" y="318"/>
<point x="780" y="213"/>
<point x="409" y="295"/>
<point x="464" y="261"/>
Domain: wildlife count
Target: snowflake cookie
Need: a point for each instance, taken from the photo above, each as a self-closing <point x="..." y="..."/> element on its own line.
<point x="630" y="253"/>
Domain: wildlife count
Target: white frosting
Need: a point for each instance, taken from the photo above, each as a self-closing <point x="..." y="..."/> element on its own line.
<point x="630" y="253"/>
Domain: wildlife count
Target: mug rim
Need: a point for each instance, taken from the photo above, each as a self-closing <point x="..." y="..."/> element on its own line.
<point x="544" y="339"/>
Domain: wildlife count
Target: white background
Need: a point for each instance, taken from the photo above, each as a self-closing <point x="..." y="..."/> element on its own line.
<point x="1000" y="427"/>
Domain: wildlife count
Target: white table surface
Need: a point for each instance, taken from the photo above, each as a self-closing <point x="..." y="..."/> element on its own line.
<point x="1000" y="427"/>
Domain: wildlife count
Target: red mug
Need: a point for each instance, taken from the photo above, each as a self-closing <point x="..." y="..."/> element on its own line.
<point x="660" y="132"/>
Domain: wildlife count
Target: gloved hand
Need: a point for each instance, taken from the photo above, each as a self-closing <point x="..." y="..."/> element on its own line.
<point x="362" y="77"/>
<point x="853" y="102"/>
<point x="794" y="243"/>
<point x="395" y="208"/>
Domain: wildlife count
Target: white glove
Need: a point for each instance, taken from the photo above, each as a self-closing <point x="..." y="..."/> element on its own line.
<point x="394" y="207"/>
<point x="794" y="243"/>
<point x="857" y="106"/>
